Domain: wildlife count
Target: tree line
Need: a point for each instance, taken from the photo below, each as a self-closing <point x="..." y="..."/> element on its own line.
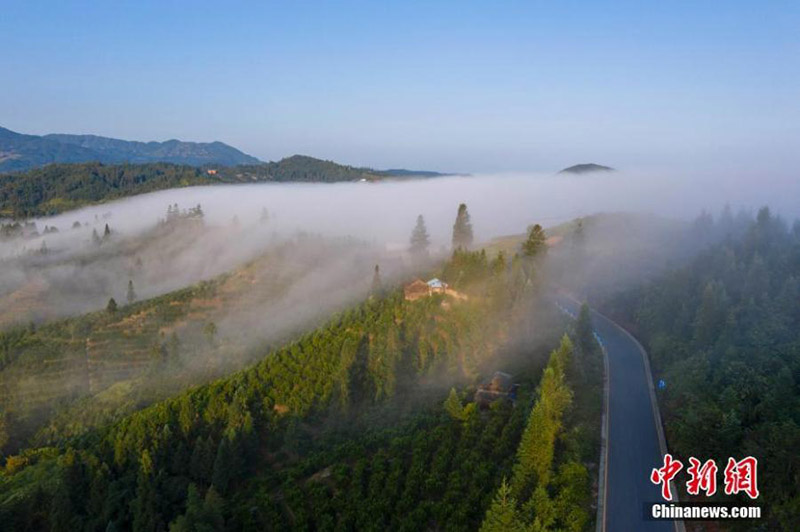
<point x="549" y="487"/>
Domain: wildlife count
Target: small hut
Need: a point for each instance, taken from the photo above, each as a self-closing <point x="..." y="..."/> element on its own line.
<point x="499" y="387"/>
<point x="437" y="286"/>
<point x="416" y="289"/>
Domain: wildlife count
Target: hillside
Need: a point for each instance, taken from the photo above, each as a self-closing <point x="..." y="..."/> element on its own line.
<point x="72" y="373"/>
<point x="300" y="168"/>
<point x="343" y="426"/>
<point x="57" y="188"/>
<point x="723" y="332"/>
<point x="23" y="152"/>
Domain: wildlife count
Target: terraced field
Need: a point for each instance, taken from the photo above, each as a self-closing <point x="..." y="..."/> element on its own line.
<point x="79" y="371"/>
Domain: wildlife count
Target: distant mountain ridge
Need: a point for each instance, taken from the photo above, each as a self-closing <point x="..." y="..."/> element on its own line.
<point x="170" y="151"/>
<point x="21" y="152"/>
<point x="586" y="168"/>
<point x="24" y="152"/>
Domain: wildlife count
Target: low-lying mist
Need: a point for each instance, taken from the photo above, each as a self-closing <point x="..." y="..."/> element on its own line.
<point x="68" y="272"/>
<point x="385" y="211"/>
<point x="285" y="256"/>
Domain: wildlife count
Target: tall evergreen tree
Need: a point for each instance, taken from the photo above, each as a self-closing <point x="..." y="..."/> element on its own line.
<point x="502" y="515"/>
<point x="201" y="464"/>
<point x="145" y="505"/>
<point x="420" y="240"/>
<point x="462" y="229"/>
<point x="213" y="508"/>
<point x="453" y="406"/>
<point x="112" y="305"/>
<point x="377" y="285"/>
<point x="194" y="506"/>
<point x="536" y="243"/>
<point x="222" y="466"/>
<point x="131" y="297"/>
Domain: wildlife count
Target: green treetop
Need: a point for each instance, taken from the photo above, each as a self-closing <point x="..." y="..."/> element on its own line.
<point x="462" y="229"/>
<point x="420" y="239"/>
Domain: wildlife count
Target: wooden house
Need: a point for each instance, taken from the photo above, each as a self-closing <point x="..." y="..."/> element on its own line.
<point x="416" y="289"/>
<point x="500" y="386"/>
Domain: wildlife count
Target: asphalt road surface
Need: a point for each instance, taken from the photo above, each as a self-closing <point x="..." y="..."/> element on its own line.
<point x="633" y="443"/>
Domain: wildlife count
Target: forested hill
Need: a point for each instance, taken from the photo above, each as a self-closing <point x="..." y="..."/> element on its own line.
<point x="23" y="152"/>
<point x="345" y="429"/>
<point x="60" y="187"/>
<point x="57" y="188"/>
<point x="586" y="168"/>
<point x="724" y="334"/>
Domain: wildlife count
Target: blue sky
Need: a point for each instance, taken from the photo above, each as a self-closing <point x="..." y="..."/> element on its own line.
<point x="473" y="86"/>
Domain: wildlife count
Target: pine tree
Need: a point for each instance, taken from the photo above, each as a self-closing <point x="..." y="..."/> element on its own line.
<point x="213" y="510"/>
<point x="453" y="406"/>
<point x="96" y="238"/>
<point x="420" y="239"/>
<point x="537" y="444"/>
<point x="462" y="229"/>
<point x="144" y="506"/>
<point x="112" y="306"/>
<point x="377" y="285"/>
<point x="222" y="466"/>
<point x="502" y="515"/>
<point x="541" y="508"/>
<point x="573" y="492"/>
<point x="536" y="242"/>
<point x="107" y="233"/>
<point x="194" y="508"/>
<point x="201" y="464"/>
<point x="131" y="297"/>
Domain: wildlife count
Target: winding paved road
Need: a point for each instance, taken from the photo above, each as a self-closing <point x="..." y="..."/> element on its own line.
<point x="634" y="448"/>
